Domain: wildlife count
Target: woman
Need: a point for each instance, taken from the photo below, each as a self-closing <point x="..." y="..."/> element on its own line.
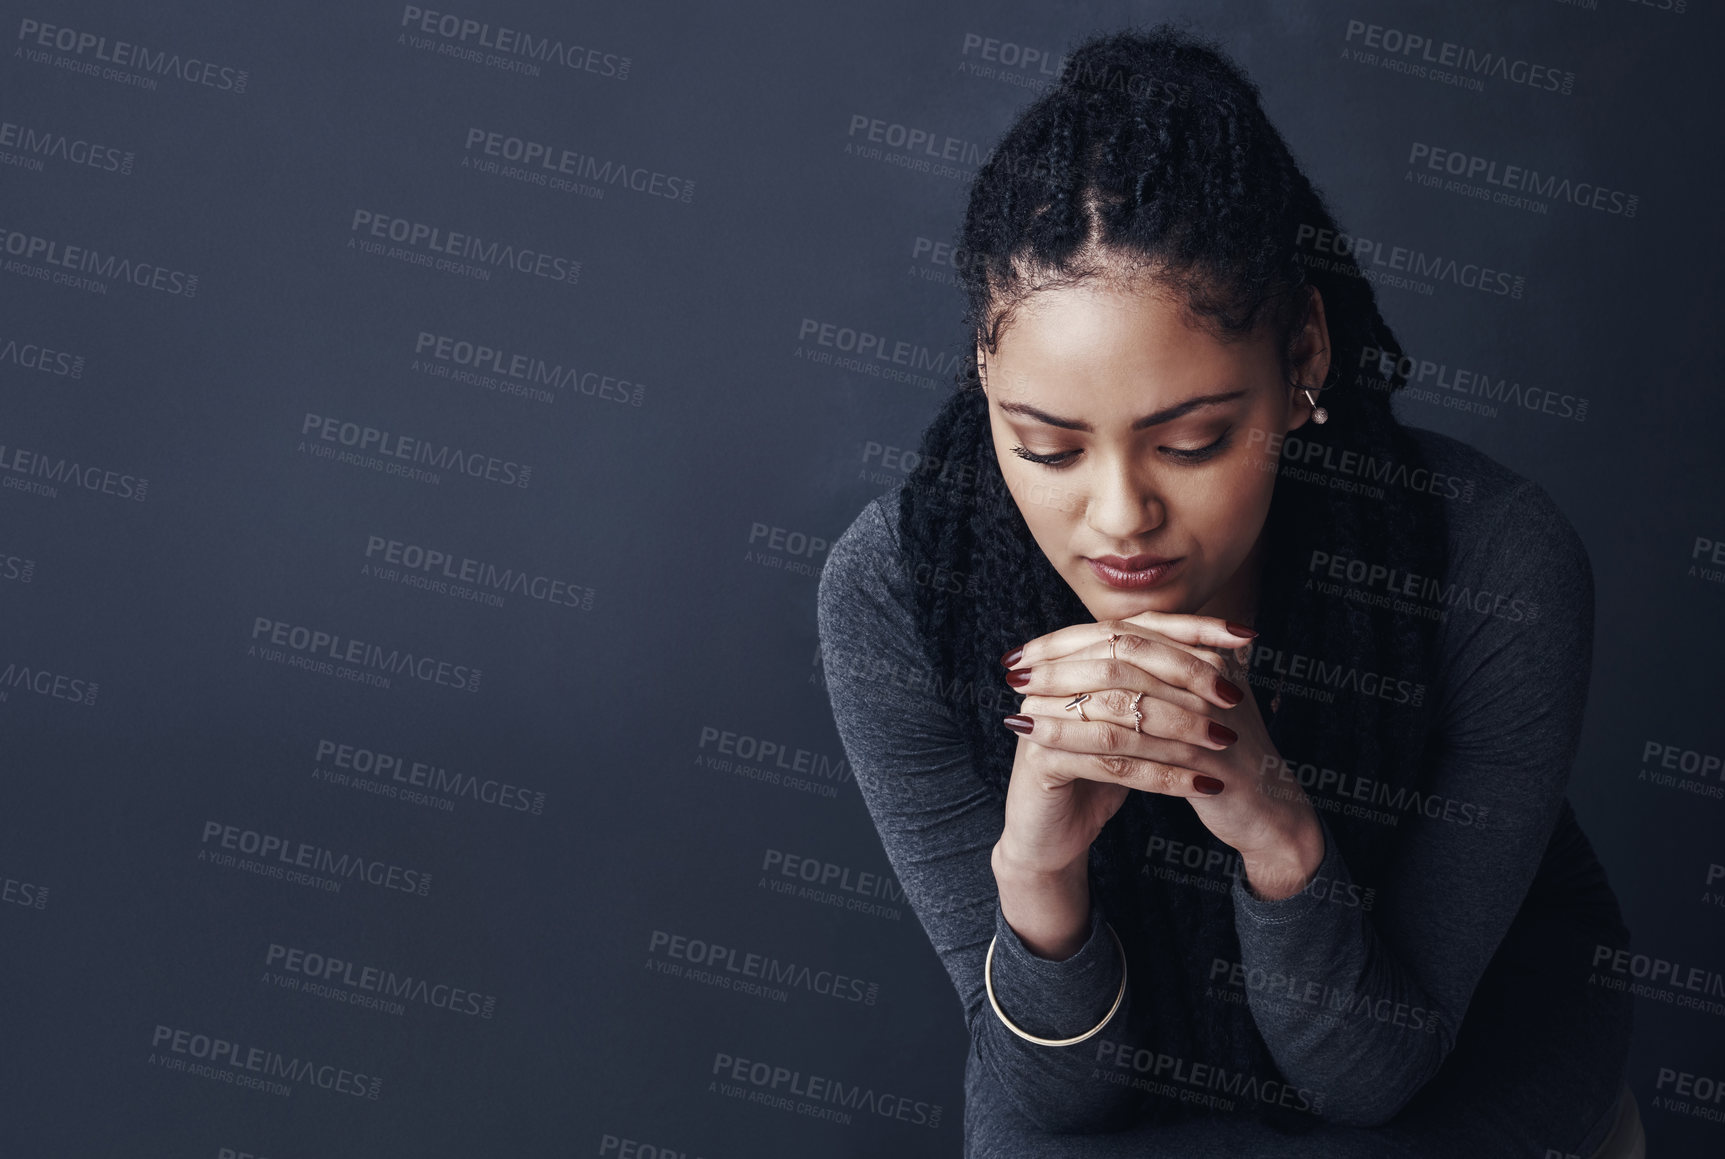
<point x="1348" y="914"/>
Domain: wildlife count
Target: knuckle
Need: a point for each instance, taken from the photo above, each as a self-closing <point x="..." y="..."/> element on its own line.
<point x="1115" y="765"/>
<point x="1197" y="671"/>
<point x="1118" y="701"/>
<point x="1173" y="779"/>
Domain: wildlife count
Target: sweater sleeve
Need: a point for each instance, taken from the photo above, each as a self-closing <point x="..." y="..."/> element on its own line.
<point x="939" y="822"/>
<point x="1363" y="1003"/>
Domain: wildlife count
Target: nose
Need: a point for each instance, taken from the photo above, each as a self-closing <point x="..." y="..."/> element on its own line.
<point x="1125" y="504"/>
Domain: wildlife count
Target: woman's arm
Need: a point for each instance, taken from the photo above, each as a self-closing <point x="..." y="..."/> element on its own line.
<point x="1364" y="1006"/>
<point x="939" y="824"/>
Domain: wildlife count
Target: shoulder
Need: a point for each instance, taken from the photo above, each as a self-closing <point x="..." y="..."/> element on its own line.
<point x="1506" y="531"/>
<point x="1515" y="602"/>
<point x="864" y="565"/>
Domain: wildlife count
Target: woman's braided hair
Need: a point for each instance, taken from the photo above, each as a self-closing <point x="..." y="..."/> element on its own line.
<point x="1152" y="152"/>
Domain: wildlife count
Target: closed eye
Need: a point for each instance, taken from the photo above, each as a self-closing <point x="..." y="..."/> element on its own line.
<point x="1183" y="454"/>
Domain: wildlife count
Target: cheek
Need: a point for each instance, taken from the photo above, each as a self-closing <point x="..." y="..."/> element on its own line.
<point x="1045" y="501"/>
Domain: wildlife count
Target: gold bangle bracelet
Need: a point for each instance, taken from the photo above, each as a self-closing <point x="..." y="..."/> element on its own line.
<point x="988" y="984"/>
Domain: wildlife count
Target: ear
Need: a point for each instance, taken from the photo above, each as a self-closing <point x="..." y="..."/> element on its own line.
<point x="1310" y="356"/>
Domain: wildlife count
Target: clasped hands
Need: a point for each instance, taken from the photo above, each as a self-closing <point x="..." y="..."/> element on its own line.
<point x="1199" y="737"/>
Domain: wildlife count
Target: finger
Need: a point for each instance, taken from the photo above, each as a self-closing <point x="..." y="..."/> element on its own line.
<point x="1203" y="631"/>
<point x="1099" y="751"/>
<point x="1140" y="658"/>
<point x="1121" y="646"/>
<point x="1174" y="715"/>
<point x="1199" y="631"/>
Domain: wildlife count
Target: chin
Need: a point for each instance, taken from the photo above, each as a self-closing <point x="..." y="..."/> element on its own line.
<point x="1108" y="603"/>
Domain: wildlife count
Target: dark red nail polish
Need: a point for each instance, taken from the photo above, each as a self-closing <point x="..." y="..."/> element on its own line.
<point x="1229" y="691"/>
<point x="1012" y="657"/>
<point x="1222" y="734"/>
<point x="1020" y="724"/>
<point x="1018" y="677"/>
<point x="1209" y="786"/>
<point x="1240" y="629"/>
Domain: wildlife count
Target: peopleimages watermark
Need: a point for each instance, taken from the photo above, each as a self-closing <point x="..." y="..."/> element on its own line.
<point x="36" y="356"/>
<point x="448" y="573"/>
<point x="41" y="681"/>
<point x="34" y="144"/>
<point x="1687" y="1093"/>
<point x="1382" y="585"/>
<point x="483" y="255"/>
<point x="1337" y="791"/>
<point x="525" y="374"/>
<point x="1659" y="979"/>
<point x="1509" y="179"/>
<point x="773" y="762"/>
<point x="277" y="855"/>
<point x="392" y="445"/>
<point x="43" y="473"/>
<point x="1703" y="773"/>
<point x="567" y="170"/>
<point x="321" y="651"/>
<point x="117" y="55"/>
<point x="1330" y="1002"/>
<point x="218" y="1055"/>
<point x="1197" y="1083"/>
<point x="1354" y="469"/>
<point x="829" y="883"/>
<point x="817" y="1096"/>
<point x="326" y="975"/>
<point x="1182" y="861"/>
<point x="623" y="1147"/>
<point x="749" y="972"/>
<point x="1328" y="677"/>
<point x="877" y="355"/>
<point x="28" y="894"/>
<point x="1458" y="388"/>
<point x="82" y="259"/>
<point x="1419" y="54"/>
<point x="1399" y="266"/>
<point x="506" y="45"/>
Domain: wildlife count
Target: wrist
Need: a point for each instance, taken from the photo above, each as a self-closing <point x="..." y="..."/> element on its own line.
<point x="1049" y="910"/>
<point x="1287" y="866"/>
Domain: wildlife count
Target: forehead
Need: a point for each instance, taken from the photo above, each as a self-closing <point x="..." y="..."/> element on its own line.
<point x="1105" y="336"/>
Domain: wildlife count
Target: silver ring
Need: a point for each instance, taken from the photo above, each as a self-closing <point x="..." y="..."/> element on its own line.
<point x="1078" y="703"/>
<point x="1112" y="640"/>
<point x="1137" y="715"/>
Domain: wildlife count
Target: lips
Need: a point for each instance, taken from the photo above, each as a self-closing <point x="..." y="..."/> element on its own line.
<point x="1131" y="562"/>
<point x="1135" y="572"/>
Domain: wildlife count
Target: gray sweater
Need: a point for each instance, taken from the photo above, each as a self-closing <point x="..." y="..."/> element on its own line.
<point x="1361" y="997"/>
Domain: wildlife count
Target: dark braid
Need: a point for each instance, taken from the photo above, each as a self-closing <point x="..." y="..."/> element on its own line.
<point x="1154" y="152"/>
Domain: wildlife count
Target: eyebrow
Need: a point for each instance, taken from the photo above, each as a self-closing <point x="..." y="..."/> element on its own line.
<point x="1156" y="418"/>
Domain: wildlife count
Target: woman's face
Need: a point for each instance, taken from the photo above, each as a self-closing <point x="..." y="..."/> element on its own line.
<point x="1165" y="443"/>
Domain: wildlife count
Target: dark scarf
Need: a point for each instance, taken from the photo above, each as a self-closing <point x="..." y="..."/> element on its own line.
<point x="955" y="512"/>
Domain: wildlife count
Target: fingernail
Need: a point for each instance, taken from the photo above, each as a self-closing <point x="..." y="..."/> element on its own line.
<point x="1229" y="691"/>
<point x="1020" y="724"/>
<point x="1209" y="786"/>
<point x="1240" y="629"/>
<point x="1018" y="677"/>
<point x="1222" y="734"/>
<point x="1012" y="657"/>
